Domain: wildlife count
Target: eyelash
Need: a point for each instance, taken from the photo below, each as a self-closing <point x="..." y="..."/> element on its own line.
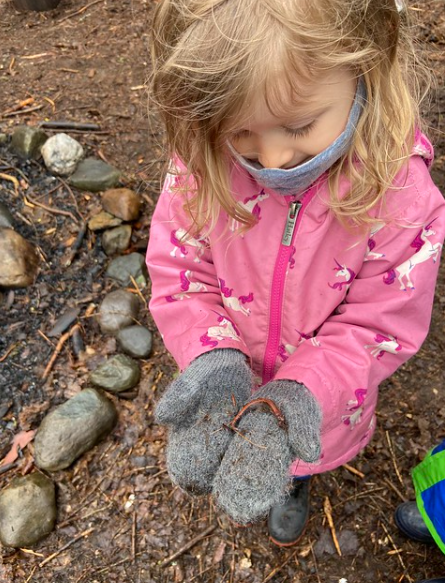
<point x="300" y="132"/>
<point x="296" y="133"/>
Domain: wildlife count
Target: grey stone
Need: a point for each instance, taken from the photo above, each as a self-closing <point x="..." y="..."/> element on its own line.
<point x="27" y="141"/>
<point x="6" y="219"/>
<point x="27" y="510"/>
<point x="94" y="175"/>
<point x="123" y="268"/>
<point x="119" y="309"/>
<point x="103" y="220"/>
<point x="123" y="203"/>
<point x="117" y="374"/>
<point x="19" y="260"/>
<point x="61" y="154"/>
<point x="135" y="341"/>
<point x="72" y="429"/>
<point x="116" y="240"/>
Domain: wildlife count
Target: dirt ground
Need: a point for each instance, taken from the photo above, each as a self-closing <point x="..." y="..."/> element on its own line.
<point x="89" y="63"/>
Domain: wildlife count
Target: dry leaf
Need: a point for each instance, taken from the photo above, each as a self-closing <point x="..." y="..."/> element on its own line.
<point x="21" y="440"/>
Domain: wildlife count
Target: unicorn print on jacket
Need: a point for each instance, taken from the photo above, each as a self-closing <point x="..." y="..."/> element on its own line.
<point x="370" y="254"/>
<point x="251" y="205"/>
<point x="226" y="328"/>
<point x="181" y="239"/>
<point x="384" y="344"/>
<point x="285" y="350"/>
<point x="187" y="285"/>
<point x="342" y="271"/>
<point x="425" y="250"/>
<point x="357" y="406"/>
<point x="232" y="302"/>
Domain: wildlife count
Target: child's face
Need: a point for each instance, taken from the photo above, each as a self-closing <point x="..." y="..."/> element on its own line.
<point x="309" y="128"/>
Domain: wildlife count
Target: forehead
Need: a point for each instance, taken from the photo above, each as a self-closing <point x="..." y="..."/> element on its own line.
<point x="299" y="100"/>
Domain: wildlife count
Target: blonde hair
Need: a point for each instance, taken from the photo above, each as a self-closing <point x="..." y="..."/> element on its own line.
<point x="212" y="57"/>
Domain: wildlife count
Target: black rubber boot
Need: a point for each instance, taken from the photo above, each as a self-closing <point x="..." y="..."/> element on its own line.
<point x="288" y="521"/>
<point x="410" y="522"/>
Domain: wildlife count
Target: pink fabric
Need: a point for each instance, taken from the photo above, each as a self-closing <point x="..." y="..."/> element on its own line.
<point x="347" y="310"/>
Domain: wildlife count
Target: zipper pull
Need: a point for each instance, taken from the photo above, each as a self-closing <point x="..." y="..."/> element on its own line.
<point x="291" y="220"/>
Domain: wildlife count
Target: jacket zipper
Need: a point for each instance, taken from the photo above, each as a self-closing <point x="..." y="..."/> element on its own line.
<point x="279" y="277"/>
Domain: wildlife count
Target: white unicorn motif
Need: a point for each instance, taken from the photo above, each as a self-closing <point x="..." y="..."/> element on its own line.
<point x="342" y="271"/>
<point x="424" y="250"/>
<point x="187" y="286"/>
<point x="370" y="254"/>
<point x="231" y="301"/>
<point x="180" y="239"/>
<point x="384" y="344"/>
<point x="225" y="329"/>
<point x="251" y="206"/>
<point x="356" y="406"/>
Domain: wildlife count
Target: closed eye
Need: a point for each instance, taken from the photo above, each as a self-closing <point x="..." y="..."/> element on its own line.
<point x="300" y="132"/>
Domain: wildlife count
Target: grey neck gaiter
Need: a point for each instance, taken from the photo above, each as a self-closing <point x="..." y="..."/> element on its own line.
<point x="293" y="181"/>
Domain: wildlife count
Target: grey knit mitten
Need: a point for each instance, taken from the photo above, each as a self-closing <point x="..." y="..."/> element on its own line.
<point x="195" y="406"/>
<point x="254" y="474"/>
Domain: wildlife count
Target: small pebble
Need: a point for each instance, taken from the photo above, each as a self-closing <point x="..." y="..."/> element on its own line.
<point x="119" y="309"/>
<point x="135" y="341"/>
<point x="119" y="373"/>
<point x="27" y="510"/>
<point x="72" y="429"/>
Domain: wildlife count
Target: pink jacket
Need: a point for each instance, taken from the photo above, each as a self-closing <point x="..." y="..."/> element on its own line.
<point x="303" y="298"/>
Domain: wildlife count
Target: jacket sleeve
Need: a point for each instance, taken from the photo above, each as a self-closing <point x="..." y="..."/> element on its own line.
<point x="383" y="320"/>
<point x="186" y="301"/>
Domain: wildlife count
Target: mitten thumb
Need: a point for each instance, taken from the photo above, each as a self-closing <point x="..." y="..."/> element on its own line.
<point x="303" y="416"/>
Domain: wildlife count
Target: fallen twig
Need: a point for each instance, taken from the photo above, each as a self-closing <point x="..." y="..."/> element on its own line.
<point x="393" y="457"/>
<point x="277" y="569"/>
<point x="23" y="111"/>
<point x="138" y="291"/>
<point x="396" y="549"/>
<point x="395" y="489"/>
<point x="58" y="350"/>
<point x="76" y="245"/>
<point x="8" y="351"/>
<point x="327" y="507"/>
<point x="68" y="544"/>
<point x="70" y="125"/>
<point x="80" y="11"/>
<point x="50" y="209"/>
<point x="354" y="471"/>
<point x="12" y="179"/>
<point x="187" y="546"/>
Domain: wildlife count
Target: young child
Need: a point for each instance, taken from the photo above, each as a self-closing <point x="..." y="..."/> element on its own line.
<point x="295" y="246"/>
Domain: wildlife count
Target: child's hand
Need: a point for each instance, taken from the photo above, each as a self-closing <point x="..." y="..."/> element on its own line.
<point x="254" y="474"/>
<point x="195" y="406"/>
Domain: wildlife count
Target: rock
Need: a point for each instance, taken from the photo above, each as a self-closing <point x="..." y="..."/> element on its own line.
<point x="123" y="203"/>
<point x="116" y="240"/>
<point x="61" y="154"/>
<point x="117" y="374"/>
<point x="95" y="175"/>
<point x="6" y="219"/>
<point x="119" y="309"/>
<point x="72" y="429"/>
<point x="121" y="268"/>
<point x="27" y="141"/>
<point x="27" y="510"/>
<point x="102" y="221"/>
<point x="135" y="341"/>
<point x="19" y="260"/>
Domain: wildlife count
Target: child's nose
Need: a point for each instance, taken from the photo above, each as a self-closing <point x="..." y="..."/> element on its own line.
<point x="274" y="155"/>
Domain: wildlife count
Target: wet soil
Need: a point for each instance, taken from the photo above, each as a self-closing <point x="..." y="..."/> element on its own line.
<point x="89" y="63"/>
